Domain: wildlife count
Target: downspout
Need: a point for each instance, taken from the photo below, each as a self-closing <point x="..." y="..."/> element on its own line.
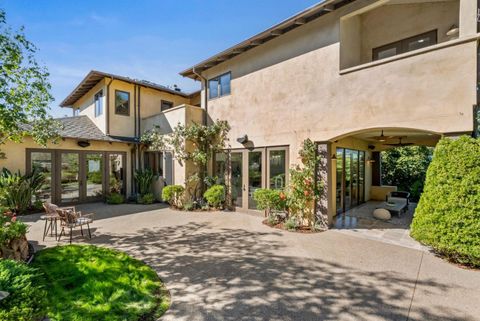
<point x="205" y="98"/>
<point x="107" y="127"/>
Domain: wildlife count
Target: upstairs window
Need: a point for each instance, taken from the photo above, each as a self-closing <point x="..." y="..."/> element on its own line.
<point x="98" y="103"/>
<point x="166" y="105"/>
<point x="219" y="86"/>
<point x="122" y="103"/>
<point x="402" y="46"/>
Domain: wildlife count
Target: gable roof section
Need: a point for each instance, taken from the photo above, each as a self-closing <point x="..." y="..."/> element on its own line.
<point x="95" y="76"/>
<point x="279" y="29"/>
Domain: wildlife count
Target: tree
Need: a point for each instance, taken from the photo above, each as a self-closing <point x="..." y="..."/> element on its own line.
<point x="195" y="142"/>
<point x="406" y="168"/>
<point x="24" y="90"/>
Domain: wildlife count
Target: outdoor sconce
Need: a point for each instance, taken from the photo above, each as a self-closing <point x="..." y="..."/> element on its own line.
<point x="453" y="31"/>
<point x="334" y="157"/>
<point x="83" y="143"/>
<point x="242" y="139"/>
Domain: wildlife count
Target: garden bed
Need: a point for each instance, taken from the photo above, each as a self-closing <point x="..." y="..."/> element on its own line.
<point x="300" y="229"/>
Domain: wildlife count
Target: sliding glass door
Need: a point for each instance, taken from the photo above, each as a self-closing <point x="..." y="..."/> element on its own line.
<point x="350" y="179"/>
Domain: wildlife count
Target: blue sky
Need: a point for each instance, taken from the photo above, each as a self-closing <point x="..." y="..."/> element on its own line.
<point x="146" y="39"/>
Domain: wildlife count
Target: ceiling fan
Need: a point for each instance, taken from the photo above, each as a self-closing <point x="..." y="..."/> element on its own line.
<point x="399" y="144"/>
<point x="382" y="137"/>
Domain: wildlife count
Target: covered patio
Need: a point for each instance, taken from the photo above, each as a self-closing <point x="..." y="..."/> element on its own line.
<point x="356" y="175"/>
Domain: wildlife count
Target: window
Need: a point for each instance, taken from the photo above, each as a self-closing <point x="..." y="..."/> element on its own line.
<point x="166" y="105"/>
<point x="219" y="86"/>
<point x="98" y="103"/>
<point x="413" y="43"/>
<point x="277" y="168"/>
<point x="122" y="103"/>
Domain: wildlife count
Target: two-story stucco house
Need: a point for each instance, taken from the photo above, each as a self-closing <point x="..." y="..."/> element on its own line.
<point x="356" y="77"/>
<point x="99" y="150"/>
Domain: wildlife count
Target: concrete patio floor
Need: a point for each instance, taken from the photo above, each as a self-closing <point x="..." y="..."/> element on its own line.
<point x="229" y="266"/>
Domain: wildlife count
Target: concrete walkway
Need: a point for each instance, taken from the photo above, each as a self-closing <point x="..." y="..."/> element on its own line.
<point x="229" y="266"/>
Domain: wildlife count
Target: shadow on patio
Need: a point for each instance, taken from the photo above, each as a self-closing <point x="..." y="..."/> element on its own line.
<point x="235" y="274"/>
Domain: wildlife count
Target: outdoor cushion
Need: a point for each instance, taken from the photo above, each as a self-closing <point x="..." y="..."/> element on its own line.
<point x="382" y="214"/>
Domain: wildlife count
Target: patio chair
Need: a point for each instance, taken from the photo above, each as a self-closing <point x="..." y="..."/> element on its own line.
<point x="50" y="217"/>
<point x="71" y="219"/>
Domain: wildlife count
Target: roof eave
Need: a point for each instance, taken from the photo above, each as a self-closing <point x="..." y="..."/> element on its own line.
<point x="262" y="37"/>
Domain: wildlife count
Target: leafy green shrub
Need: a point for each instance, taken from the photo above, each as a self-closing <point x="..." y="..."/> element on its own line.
<point x="448" y="215"/>
<point x="11" y="229"/>
<point x="173" y="194"/>
<point x="17" y="190"/>
<point x="115" y="198"/>
<point x="148" y="198"/>
<point x="291" y="224"/>
<point x="26" y="300"/>
<point x="189" y="206"/>
<point x="144" y="179"/>
<point x="270" y="199"/>
<point x="215" y="196"/>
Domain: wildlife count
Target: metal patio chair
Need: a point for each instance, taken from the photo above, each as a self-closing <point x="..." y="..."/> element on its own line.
<point x="71" y="219"/>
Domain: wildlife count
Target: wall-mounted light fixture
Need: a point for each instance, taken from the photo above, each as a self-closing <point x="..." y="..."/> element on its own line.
<point x="453" y="31"/>
<point x="334" y="157"/>
<point x="83" y="143"/>
<point x="242" y="139"/>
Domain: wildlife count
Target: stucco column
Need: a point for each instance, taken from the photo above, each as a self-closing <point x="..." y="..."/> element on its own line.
<point x="376" y="169"/>
<point x="324" y="206"/>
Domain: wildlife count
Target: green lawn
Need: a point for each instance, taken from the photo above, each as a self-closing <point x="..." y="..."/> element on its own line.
<point x="93" y="283"/>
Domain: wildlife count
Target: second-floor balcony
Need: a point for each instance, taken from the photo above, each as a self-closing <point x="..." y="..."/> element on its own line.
<point x="391" y="30"/>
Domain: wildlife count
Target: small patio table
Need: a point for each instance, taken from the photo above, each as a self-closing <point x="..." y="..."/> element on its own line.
<point x="396" y="208"/>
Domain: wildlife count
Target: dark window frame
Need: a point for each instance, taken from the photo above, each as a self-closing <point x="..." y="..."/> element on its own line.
<point x="166" y="102"/>
<point x="98" y="96"/>
<point x="219" y="86"/>
<point x="401" y="45"/>
<point x="128" y="103"/>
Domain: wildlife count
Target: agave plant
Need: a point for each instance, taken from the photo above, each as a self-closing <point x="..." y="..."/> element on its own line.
<point x="17" y="190"/>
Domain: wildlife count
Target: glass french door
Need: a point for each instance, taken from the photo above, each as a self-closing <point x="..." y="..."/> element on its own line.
<point x="94" y="175"/>
<point x="251" y="170"/>
<point x="74" y="176"/>
<point x="69" y="177"/>
<point x="350" y="177"/>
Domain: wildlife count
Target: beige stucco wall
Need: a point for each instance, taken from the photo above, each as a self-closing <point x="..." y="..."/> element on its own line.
<point x="86" y="105"/>
<point x="150" y="101"/>
<point x="306" y="96"/>
<point x="16" y="153"/>
<point x="292" y="88"/>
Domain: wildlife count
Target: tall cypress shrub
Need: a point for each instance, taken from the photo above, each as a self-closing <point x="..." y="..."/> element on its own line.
<point x="448" y="215"/>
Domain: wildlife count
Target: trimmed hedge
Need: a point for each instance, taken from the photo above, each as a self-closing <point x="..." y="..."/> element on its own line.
<point x="448" y="215"/>
<point x="27" y="299"/>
